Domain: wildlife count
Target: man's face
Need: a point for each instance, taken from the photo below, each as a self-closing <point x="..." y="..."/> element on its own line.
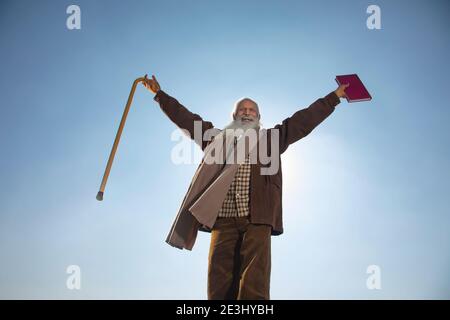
<point x="247" y="112"/>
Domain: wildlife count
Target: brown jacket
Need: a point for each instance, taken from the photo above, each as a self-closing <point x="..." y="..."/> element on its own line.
<point x="210" y="183"/>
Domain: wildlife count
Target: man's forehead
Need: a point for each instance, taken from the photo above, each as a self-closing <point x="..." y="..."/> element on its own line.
<point x="247" y="104"/>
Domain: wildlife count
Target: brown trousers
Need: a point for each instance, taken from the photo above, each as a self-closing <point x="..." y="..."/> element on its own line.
<point x="239" y="260"/>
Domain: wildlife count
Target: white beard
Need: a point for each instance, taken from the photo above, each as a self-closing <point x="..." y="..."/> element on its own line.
<point x="243" y="125"/>
<point x="235" y="130"/>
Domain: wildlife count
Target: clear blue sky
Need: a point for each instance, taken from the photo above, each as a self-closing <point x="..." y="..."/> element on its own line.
<point x="367" y="187"/>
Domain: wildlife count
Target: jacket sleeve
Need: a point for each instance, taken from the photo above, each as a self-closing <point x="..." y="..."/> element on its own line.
<point x="301" y="123"/>
<point x="183" y="118"/>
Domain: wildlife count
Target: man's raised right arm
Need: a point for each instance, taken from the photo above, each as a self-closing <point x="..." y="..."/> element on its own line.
<point x="178" y="113"/>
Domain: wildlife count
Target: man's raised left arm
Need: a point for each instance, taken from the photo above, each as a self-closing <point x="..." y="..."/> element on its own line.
<point x="301" y="123"/>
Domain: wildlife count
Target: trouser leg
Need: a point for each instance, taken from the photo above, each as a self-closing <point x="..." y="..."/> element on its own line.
<point x="255" y="263"/>
<point x="223" y="264"/>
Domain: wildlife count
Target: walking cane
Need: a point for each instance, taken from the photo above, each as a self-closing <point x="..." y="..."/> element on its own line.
<point x="117" y="139"/>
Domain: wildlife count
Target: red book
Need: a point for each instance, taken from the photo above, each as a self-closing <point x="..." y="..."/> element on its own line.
<point x="356" y="91"/>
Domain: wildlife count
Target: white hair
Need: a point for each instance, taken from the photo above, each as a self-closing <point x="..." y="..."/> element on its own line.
<point x="238" y="103"/>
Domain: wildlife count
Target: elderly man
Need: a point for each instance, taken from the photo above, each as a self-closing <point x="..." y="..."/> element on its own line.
<point x="239" y="203"/>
